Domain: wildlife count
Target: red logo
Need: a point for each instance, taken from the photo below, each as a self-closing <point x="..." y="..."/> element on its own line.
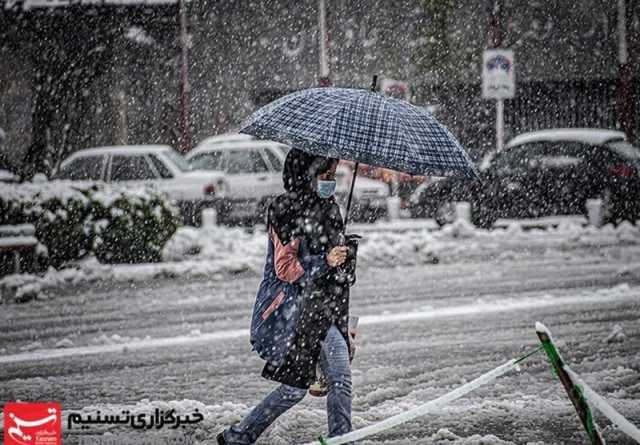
<point x="32" y="423"/>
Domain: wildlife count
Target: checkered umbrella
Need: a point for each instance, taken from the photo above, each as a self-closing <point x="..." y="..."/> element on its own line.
<point x="362" y="126"/>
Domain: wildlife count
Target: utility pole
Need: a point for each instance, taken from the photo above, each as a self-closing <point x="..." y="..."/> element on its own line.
<point x="625" y="88"/>
<point x="495" y="24"/>
<point x="495" y="27"/>
<point x="121" y="101"/>
<point x="185" y="137"/>
<point x="325" y="80"/>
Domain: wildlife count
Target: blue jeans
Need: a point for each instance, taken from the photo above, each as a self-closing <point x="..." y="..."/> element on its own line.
<point x="334" y="360"/>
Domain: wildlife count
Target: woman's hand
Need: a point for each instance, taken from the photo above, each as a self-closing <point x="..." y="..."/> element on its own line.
<point x="337" y="256"/>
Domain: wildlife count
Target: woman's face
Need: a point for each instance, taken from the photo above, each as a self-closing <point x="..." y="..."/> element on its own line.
<point x="325" y="183"/>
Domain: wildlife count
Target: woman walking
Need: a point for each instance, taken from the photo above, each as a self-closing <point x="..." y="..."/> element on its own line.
<point x="302" y="309"/>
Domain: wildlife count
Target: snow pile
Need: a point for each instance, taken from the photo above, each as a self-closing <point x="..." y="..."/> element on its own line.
<point x="446" y="437"/>
<point x="459" y="229"/>
<point x="7" y="176"/>
<point x="211" y="251"/>
<point x="625" y="232"/>
<point x="35" y="191"/>
<point x="65" y="343"/>
<point x="217" y="243"/>
<point x="394" y="249"/>
<point x="616" y="335"/>
<point x="35" y="345"/>
<point x="23" y="287"/>
<point x="115" y="339"/>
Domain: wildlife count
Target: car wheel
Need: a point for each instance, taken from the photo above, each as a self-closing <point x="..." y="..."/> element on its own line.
<point x="445" y="213"/>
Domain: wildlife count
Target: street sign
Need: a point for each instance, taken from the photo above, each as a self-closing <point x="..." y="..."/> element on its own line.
<point x="498" y="74"/>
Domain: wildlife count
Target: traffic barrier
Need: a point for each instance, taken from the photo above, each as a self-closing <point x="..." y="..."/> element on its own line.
<point x="581" y="395"/>
<point x="425" y="408"/>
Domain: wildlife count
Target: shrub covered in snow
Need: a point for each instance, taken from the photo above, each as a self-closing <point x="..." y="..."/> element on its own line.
<point x="60" y="222"/>
<point x="131" y="226"/>
<point x="74" y="219"/>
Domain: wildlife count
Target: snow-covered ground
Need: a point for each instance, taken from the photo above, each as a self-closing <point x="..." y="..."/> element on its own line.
<point x="438" y="309"/>
<point x="218" y="250"/>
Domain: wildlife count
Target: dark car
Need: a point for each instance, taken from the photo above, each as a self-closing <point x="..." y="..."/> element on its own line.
<point x="551" y="172"/>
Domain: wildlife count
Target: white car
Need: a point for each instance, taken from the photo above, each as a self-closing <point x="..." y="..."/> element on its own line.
<point x="159" y="166"/>
<point x="252" y="170"/>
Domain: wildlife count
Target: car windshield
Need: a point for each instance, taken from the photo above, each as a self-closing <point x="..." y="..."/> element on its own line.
<point x="626" y="149"/>
<point x="178" y="160"/>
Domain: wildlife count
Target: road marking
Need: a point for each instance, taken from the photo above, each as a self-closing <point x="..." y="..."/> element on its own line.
<point x="618" y="293"/>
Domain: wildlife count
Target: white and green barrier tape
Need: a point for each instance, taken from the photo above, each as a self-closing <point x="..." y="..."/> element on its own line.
<point x="599" y="403"/>
<point x="581" y="395"/>
<point x="425" y="408"/>
<point x="574" y="393"/>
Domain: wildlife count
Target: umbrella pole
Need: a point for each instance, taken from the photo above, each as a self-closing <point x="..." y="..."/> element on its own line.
<point x="374" y="86"/>
<point x="353" y="183"/>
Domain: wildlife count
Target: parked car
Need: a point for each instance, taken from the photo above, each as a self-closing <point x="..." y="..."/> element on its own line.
<point x="550" y="172"/>
<point x="404" y="183"/>
<point x="253" y="170"/>
<point x="159" y="166"/>
<point x="369" y="201"/>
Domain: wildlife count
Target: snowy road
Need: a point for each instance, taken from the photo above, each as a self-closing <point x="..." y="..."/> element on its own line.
<point x="426" y="329"/>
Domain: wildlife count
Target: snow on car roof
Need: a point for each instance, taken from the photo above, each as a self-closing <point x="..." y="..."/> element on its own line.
<point x="119" y="149"/>
<point x="130" y="149"/>
<point x="593" y="136"/>
<point x="227" y="137"/>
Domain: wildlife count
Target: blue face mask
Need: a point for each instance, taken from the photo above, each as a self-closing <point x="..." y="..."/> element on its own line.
<point x="326" y="189"/>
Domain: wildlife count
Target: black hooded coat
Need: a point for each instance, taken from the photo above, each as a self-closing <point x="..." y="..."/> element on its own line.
<point x="300" y="214"/>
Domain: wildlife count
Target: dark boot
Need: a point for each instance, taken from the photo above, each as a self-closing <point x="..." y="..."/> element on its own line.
<point x="220" y="438"/>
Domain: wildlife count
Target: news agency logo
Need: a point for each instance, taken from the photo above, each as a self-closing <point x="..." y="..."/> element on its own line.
<point x="32" y="423"/>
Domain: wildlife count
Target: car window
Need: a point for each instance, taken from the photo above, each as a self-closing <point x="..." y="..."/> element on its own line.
<point x="86" y="168"/>
<point x="162" y="169"/>
<point x="559" y="154"/>
<point x="177" y="159"/>
<point x="273" y="159"/>
<point x="130" y="168"/>
<point x="212" y="160"/>
<point x="246" y="161"/>
<point x="515" y="158"/>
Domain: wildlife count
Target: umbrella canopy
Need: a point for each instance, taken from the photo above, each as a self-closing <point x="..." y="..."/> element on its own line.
<point x="362" y="126"/>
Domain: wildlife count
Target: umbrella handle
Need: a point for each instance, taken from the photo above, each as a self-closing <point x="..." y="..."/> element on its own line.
<point x="374" y="86"/>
